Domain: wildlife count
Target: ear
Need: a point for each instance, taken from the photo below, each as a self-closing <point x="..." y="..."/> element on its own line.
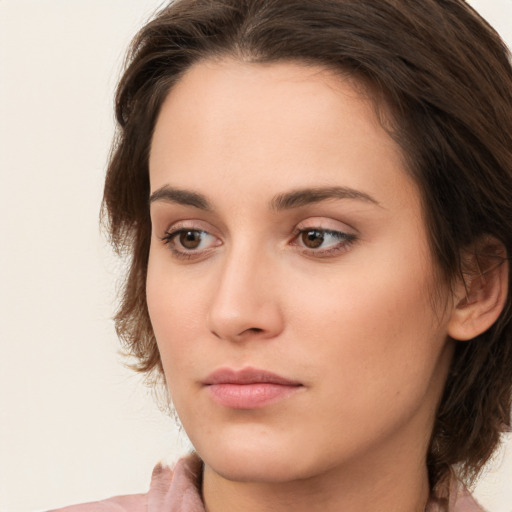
<point x="481" y="290"/>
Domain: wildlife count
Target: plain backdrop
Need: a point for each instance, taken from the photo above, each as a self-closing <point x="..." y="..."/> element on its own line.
<point x="75" y="424"/>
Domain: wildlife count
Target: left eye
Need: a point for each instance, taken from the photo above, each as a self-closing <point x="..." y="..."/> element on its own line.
<point x="323" y="239"/>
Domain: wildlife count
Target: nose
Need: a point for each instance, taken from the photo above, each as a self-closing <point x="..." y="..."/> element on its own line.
<point x="246" y="303"/>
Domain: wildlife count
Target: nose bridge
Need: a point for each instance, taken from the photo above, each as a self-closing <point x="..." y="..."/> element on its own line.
<point x="245" y="301"/>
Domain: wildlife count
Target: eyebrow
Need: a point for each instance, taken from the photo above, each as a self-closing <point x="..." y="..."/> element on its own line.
<point x="304" y="197"/>
<point x="184" y="197"/>
<point x="286" y="201"/>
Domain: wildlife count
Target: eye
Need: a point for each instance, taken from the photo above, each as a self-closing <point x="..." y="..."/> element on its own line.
<point x="187" y="243"/>
<point x="323" y="242"/>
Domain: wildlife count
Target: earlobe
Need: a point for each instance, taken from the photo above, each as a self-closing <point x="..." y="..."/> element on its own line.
<point x="481" y="292"/>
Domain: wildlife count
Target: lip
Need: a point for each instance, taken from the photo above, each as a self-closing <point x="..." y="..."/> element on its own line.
<point x="249" y="388"/>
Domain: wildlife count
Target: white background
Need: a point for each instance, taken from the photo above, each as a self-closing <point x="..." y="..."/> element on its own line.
<point x="75" y="425"/>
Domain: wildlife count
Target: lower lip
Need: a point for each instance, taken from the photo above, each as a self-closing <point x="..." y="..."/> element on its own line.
<point x="250" y="396"/>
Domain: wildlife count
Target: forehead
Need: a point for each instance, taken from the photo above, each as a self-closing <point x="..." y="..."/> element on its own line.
<point x="274" y="125"/>
<point x="282" y="94"/>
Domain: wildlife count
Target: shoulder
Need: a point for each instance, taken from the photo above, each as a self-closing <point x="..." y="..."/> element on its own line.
<point x="453" y="496"/>
<point x="169" y="488"/>
<point x="131" y="503"/>
<point x="464" y="502"/>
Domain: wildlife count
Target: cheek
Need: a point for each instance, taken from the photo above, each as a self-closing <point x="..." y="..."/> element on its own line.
<point x="374" y="330"/>
<point x="176" y="312"/>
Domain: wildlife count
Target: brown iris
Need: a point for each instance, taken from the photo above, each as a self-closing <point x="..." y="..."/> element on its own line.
<point x="190" y="239"/>
<point x="312" y="239"/>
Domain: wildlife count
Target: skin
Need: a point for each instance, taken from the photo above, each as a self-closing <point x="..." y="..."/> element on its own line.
<point x="352" y="320"/>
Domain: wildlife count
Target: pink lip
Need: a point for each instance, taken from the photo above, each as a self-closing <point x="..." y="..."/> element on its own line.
<point x="249" y="388"/>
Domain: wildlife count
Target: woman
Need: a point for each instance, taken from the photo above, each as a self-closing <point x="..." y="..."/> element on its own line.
<point x="315" y="195"/>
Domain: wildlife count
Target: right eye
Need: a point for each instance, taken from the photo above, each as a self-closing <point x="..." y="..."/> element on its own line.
<point x="187" y="243"/>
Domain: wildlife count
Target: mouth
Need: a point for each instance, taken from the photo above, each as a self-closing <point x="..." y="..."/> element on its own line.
<point x="249" y="388"/>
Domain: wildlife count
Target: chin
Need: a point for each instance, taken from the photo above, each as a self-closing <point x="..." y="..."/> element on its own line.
<point x="255" y="467"/>
<point x="266" y="460"/>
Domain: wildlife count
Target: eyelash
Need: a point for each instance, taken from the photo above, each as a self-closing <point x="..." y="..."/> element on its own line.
<point x="346" y="240"/>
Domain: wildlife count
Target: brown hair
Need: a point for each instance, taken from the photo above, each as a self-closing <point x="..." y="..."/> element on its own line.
<point x="446" y="78"/>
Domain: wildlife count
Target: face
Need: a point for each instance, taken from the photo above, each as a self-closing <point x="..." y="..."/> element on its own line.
<point x="290" y="279"/>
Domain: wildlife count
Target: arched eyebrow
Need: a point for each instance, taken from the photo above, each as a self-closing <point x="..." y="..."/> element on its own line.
<point x="285" y="201"/>
<point x="180" y="196"/>
<point x="303" y="197"/>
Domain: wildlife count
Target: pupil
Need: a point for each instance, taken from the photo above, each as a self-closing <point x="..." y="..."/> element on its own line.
<point x="190" y="239"/>
<point x="313" y="239"/>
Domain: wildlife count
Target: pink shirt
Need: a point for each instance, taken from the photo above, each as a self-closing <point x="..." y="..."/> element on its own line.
<point x="177" y="491"/>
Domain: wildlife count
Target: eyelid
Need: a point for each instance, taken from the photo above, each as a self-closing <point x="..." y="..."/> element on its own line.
<point x="188" y="224"/>
<point x="326" y="224"/>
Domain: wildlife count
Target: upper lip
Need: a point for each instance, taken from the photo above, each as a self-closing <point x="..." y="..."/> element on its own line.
<point x="247" y="376"/>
